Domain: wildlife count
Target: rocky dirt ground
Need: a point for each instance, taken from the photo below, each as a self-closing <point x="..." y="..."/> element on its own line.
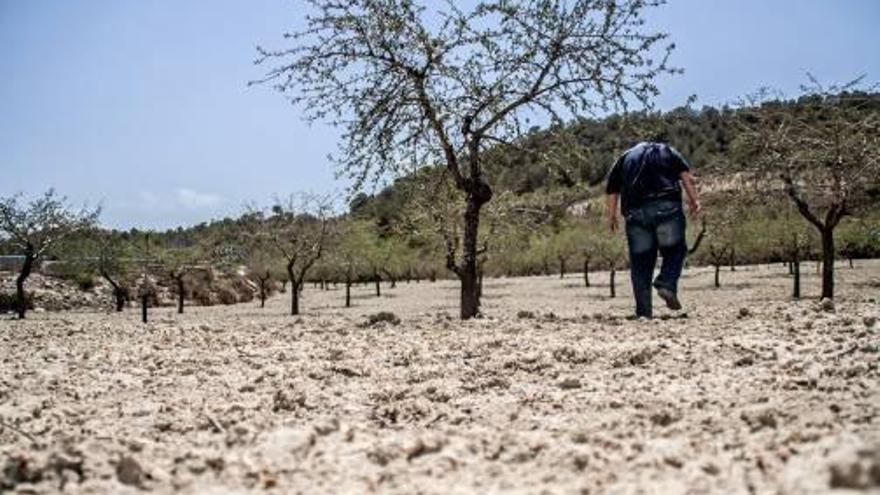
<point x="554" y="391"/>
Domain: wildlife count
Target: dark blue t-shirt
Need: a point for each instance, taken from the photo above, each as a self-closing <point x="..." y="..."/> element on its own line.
<point x="647" y="172"/>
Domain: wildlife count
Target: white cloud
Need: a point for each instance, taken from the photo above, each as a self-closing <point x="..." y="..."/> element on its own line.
<point x="189" y="198"/>
<point x="148" y="199"/>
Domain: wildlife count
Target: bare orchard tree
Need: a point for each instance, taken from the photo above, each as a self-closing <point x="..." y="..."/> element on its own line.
<point x="179" y="262"/>
<point x="297" y="229"/>
<point x="413" y="86"/>
<point x="110" y="256"/>
<point x="149" y="266"/>
<point x="821" y="154"/>
<point x="36" y="227"/>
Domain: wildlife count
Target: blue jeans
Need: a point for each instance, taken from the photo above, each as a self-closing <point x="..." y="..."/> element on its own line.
<point x="658" y="225"/>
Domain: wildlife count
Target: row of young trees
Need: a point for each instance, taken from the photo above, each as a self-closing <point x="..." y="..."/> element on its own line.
<point x="298" y="241"/>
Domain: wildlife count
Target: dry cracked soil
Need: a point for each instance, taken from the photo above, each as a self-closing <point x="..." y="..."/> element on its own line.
<point x="555" y="390"/>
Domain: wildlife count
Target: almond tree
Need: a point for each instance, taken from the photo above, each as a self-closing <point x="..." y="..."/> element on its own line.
<point x="36" y="227"/>
<point x="110" y="256"/>
<point x="821" y="153"/>
<point x="297" y="229"/>
<point x="150" y="265"/>
<point x="413" y="86"/>
<point x="350" y="253"/>
<point x="180" y="260"/>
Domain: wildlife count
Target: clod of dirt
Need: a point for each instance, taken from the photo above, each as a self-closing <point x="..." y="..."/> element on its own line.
<point x="711" y="469"/>
<point x="581" y="461"/>
<point x="664" y="418"/>
<point x="19" y="469"/>
<point x="637" y="358"/>
<point x="568" y="354"/>
<point x="869" y="320"/>
<point x="130" y="472"/>
<point x="757" y="420"/>
<point x="423" y="446"/>
<point x="827" y="305"/>
<point x="382" y="317"/>
<point x="744" y="313"/>
<point x="744" y="361"/>
<point x="285" y="400"/>
<point x="856" y="469"/>
<point x="327" y="426"/>
<point x="569" y="383"/>
<point x="525" y="315"/>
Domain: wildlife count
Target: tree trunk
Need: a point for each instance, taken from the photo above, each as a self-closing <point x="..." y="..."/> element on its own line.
<point x="294" y="297"/>
<point x="120" y="299"/>
<point x="262" y="293"/>
<point x="796" y="293"/>
<point x="561" y="267"/>
<point x="717" y="275"/>
<point x="851" y="262"/>
<point x="377" y="280"/>
<point x="479" y="194"/>
<point x="179" y="281"/>
<point x="612" y="283"/>
<point x="828" y="262"/>
<point x="347" y="292"/>
<point x="26" y="267"/>
<point x="294" y="290"/>
<point x="732" y="259"/>
<point x="144" y="308"/>
<point x="586" y="272"/>
<point x="118" y="293"/>
<point x="791" y="268"/>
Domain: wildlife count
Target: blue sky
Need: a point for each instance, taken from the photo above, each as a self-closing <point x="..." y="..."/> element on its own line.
<point x="144" y="106"/>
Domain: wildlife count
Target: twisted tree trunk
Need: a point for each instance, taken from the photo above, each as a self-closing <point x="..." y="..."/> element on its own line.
<point x="118" y="292"/>
<point x="180" y="294"/>
<point x="144" y="308"/>
<point x="478" y="194"/>
<point x="294" y="290"/>
<point x="828" y="262"/>
<point x="586" y="271"/>
<point x="26" y="267"/>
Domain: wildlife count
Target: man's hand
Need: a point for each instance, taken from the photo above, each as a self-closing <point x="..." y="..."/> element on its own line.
<point x="694" y="209"/>
<point x="613" y="223"/>
<point x="611" y="211"/>
<point x="687" y="180"/>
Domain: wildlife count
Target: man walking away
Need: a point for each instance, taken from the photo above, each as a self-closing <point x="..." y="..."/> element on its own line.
<point x="648" y="178"/>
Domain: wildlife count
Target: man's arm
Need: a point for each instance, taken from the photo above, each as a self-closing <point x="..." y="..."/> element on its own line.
<point x="611" y="211"/>
<point x="687" y="180"/>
